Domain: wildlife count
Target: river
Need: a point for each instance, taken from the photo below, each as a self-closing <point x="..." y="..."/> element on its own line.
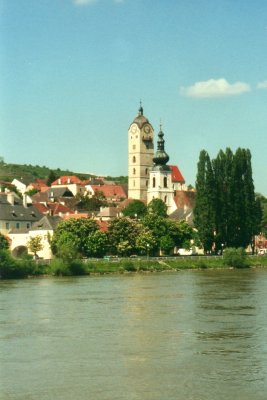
<point x="192" y="335"/>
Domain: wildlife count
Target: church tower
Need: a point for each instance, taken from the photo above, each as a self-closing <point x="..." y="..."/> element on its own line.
<point x="140" y="156"/>
<point x="160" y="179"/>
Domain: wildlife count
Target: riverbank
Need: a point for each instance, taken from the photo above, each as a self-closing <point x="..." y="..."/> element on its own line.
<point x="13" y="268"/>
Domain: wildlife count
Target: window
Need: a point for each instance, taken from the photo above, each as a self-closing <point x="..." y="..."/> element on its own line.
<point x="165" y="182"/>
<point x="17" y="225"/>
<point x="28" y="225"/>
<point x="7" y="225"/>
<point x="133" y="183"/>
<point x="154" y="182"/>
<point x="146" y="183"/>
<point x="134" y="171"/>
<point x="134" y="159"/>
<point x="165" y="199"/>
<point x="146" y="171"/>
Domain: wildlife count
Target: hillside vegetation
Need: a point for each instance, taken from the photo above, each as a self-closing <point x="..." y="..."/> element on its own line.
<point x="29" y="173"/>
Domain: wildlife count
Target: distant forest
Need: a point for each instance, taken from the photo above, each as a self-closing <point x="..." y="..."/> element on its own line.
<point x="28" y="173"/>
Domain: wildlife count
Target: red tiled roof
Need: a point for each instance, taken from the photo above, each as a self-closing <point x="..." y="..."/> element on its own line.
<point x="66" y="180"/>
<point x="54" y="208"/>
<point x="176" y="174"/>
<point x="110" y="191"/>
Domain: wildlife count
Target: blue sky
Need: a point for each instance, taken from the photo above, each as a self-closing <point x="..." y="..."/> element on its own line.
<point x="73" y="73"/>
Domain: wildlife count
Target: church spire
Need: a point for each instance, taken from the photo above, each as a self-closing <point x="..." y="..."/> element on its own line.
<point x="161" y="157"/>
<point x="140" y="111"/>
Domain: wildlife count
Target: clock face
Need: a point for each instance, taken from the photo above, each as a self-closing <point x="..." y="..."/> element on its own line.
<point x="133" y="129"/>
<point x="147" y="129"/>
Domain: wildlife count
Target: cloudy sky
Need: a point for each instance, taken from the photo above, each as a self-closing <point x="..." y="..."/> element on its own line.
<point x="73" y="73"/>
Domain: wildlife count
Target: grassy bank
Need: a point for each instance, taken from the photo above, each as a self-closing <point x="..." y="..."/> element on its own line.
<point x="14" y="268"/>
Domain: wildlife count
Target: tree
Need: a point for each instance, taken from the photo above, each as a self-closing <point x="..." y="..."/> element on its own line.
<point x="122" y="235"/>
<point x="4" y="245"/>
<point x="51" y="178"/>
<point x="226" y="212"/>
<point x="181" y="233"/>
<point x="73" y="233"/>
<point x="146" y="243"/>
<point x="91" y="203"/>
<point x="135" y="209"/>
<point x="167" y="244"/>
<point x="204" y="210"/>
<point x="34" y="244"/>
<point x="157" y="207"/>
<point x="96" y="244"/>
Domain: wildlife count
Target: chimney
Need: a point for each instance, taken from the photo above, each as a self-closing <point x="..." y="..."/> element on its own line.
<point x="11" y="198"/>
<point x="24" y="199"/>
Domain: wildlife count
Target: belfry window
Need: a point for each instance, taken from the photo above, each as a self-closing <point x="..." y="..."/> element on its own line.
<point x="154" y="182"/>
<point x="165" y="182"/>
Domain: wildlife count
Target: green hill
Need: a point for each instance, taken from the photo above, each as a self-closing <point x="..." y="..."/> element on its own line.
<point x="29" y="173"/>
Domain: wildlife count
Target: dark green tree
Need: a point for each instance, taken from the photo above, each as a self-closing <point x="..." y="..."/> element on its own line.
<point x="3" y="242"/>
<point x="157" y="207"/>
<point x="135" y="209"/>
<point x="204" y="210"/>
<point x="51" y="178"/>
<point x="122" y="234"/>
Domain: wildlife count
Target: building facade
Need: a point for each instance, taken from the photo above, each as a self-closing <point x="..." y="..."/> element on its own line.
<point x="140" y="156"/>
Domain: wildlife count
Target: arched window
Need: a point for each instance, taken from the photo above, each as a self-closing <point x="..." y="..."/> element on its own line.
<point x="165" y="182"/>
<point x="134" y="159"/>
<point x="134" y="171"/>
<point x="146" y="171"/>
<point x="165" y="199"/>
<point x="146" y="183"/>
<point x="154" y="182"/>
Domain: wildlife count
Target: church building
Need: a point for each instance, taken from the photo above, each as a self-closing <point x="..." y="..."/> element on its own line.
<point x="149" y="176"/>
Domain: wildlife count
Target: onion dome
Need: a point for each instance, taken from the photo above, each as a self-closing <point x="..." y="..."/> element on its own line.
<point x="161" y="157"/>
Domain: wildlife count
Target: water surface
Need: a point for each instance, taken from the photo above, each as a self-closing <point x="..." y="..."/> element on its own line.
<point x="199" y="335"/>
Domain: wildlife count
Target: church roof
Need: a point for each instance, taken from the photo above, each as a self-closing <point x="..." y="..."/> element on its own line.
<point x="140" y="120"/>
<point x="176" y="174"/>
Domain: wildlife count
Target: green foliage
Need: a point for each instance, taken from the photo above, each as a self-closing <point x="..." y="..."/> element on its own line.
<point x="226" y="212"/>
<point x="122" y="234"/>
<point x="135" y="209"/>
<point x="96" y="244"/>
<point x="262" y="203"/>
<point x="3" y="242"/>
<point x="235" y="257"/>
<point x="11" y="268"/>
<point x="71" y="237"/>
<point x="34" y="244"/>
<point x="93" y="203"/>
<point x="166" y="244"/>
<point x="157" y="207"/>
<point x="146" y="243"/>
<point x="60" y="267"/>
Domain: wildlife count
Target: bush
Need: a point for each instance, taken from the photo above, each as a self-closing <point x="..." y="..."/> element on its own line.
<point x="11" y="268"/>
<point x="129" y="266"/>
<point x="61" y="267"/>
<point x="235" y="258"/>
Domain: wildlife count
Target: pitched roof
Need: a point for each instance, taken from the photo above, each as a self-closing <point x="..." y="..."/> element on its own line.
<point x="54" y="208"/>
<point x="110" y="191"/>
<point x="176" y="174"/>
<point x="67" y="180"/>
<point x="47" y="223"/>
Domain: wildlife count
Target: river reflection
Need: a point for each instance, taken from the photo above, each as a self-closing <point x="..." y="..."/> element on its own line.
<point x="186" y="335"/>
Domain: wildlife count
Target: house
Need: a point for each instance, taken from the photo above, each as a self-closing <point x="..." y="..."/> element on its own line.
<point x="38" y="185"/>
<point x="177" y="178"/>
<point x="44" y="227"/>
<point x="16" y="214"/>
<point x="112" y="193"/>
<point x="72" y="182"/>
<point x="21" y="184"/>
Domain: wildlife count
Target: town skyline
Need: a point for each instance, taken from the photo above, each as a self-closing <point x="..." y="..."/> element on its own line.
<point x="73" y="73"/>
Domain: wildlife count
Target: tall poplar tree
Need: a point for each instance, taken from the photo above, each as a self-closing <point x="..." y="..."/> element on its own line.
<point x="204" y="211"/>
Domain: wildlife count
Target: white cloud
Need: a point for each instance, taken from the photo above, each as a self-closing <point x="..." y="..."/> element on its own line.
<point x="262" y="85"/>
<point x="215" y="88"/>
